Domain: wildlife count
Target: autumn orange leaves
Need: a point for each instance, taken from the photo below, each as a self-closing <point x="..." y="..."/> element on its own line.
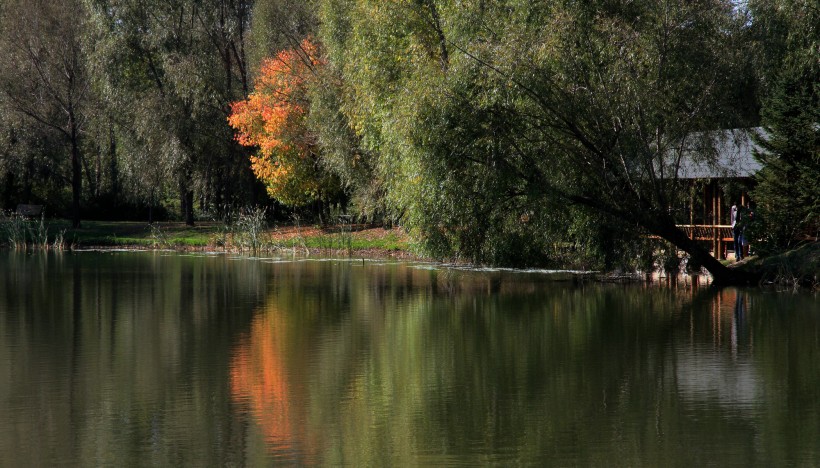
<point x="273" y="119"/>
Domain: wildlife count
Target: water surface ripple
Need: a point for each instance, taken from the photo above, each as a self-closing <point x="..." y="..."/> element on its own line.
<point x="161" y="359"/>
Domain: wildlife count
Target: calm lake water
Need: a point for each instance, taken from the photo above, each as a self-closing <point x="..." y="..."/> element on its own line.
<point x="161" y="359"/>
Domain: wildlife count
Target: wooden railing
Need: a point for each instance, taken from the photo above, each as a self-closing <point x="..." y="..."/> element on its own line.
<point x="708" y="232"/>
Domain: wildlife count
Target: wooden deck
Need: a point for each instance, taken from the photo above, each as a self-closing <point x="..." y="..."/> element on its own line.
<point x="719" y="235"/>
<point x="708" y="232"/>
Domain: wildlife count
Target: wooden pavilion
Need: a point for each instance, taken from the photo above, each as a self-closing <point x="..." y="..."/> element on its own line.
<point x="708" y="211"/>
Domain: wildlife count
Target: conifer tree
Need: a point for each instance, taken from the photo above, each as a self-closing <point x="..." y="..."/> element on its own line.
<point x="789" y="183"/>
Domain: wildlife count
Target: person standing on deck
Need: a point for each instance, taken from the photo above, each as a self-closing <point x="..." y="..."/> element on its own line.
<point x="736" y="232"/>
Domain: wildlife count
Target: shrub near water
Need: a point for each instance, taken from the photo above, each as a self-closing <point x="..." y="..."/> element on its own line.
<point x="21" y="233"/>
<point x="244" y="230"/>
<point x="250" y="227"/>
<point x="13" y="230"/>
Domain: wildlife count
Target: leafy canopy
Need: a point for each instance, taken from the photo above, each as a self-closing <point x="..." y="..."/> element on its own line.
<point x="488" y="117"/>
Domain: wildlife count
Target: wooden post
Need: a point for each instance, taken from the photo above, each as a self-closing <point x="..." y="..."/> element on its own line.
<point x="719" y="236"/>
<point x="692" y="207"/>
<point x="704" y="218"/>
<point x="714" y="220"/>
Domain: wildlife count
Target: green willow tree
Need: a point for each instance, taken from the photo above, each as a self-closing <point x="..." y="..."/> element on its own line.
<point x="33" y="163"/>
<point x="44" y="78"/>
<point x="489" y="115"/>
<point x="277" y="25"/>
<point x="170" y="71"/>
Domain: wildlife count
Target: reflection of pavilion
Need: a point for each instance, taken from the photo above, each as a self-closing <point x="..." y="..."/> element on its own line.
<point x="703" y="375"/>
<point x="721" y="369"/>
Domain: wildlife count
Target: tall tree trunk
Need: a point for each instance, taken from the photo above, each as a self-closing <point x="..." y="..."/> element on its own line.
<point x="8" y="189"/>
<point x="151" y="207"/>
<point x="112" y="165"/>
<point x="721" y="274"/>
<point x="27" y="180"/>
<point x="435" y="22"/>
<point x="186" y="201"/>
<point x="189" y="214"/>
<point x="76" y="173"/>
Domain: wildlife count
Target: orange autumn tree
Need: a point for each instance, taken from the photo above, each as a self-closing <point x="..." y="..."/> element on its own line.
<point x="273" y="119"/>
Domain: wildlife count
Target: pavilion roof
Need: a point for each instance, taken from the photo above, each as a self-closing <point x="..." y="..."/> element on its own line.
<point x="733" y="152"/>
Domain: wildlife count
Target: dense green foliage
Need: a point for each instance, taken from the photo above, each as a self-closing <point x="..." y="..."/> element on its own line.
<point x="45" y="79"/>
<point x="502" y="131"/>
<point x="789" y="183"/>
<point x="499" y="125"/>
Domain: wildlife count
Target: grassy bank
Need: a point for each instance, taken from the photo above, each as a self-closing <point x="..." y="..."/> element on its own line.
<point x="798" y="267"/>
<point x="219" y="237"/>
<point x="137" y="235"/>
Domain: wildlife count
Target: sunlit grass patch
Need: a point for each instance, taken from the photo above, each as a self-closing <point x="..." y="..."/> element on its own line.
<point x="233" y="237"/>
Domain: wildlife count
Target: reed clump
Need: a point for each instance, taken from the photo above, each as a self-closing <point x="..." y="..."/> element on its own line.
<point x="23" y="233"/>
<point x="245" y="230"/>
<point x="248" y="230"/>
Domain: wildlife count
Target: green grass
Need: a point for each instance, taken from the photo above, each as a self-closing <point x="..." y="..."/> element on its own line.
<point x="334" y="241"/>
<point x="135" y="234"/>
<point x="206" y="235"/>
<point x="799" y="266"/>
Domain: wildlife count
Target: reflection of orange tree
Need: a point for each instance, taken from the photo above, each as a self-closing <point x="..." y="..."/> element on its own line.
<point x="260" y="378"/>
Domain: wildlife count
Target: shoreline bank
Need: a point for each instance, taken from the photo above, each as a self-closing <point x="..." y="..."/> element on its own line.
<point x="796" y="268"/>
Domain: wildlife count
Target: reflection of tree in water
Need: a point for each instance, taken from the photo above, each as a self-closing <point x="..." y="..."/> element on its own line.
<point x="393" y="365"/>
<point x="270" y="365"/>
<point x="413" y="364"/>
<point x="112" y="346"/>
<point x="721" y="369"/>
<point x="259" y="378"/>
<point x="359" y="364"/>
<point x="746" y="367"/>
